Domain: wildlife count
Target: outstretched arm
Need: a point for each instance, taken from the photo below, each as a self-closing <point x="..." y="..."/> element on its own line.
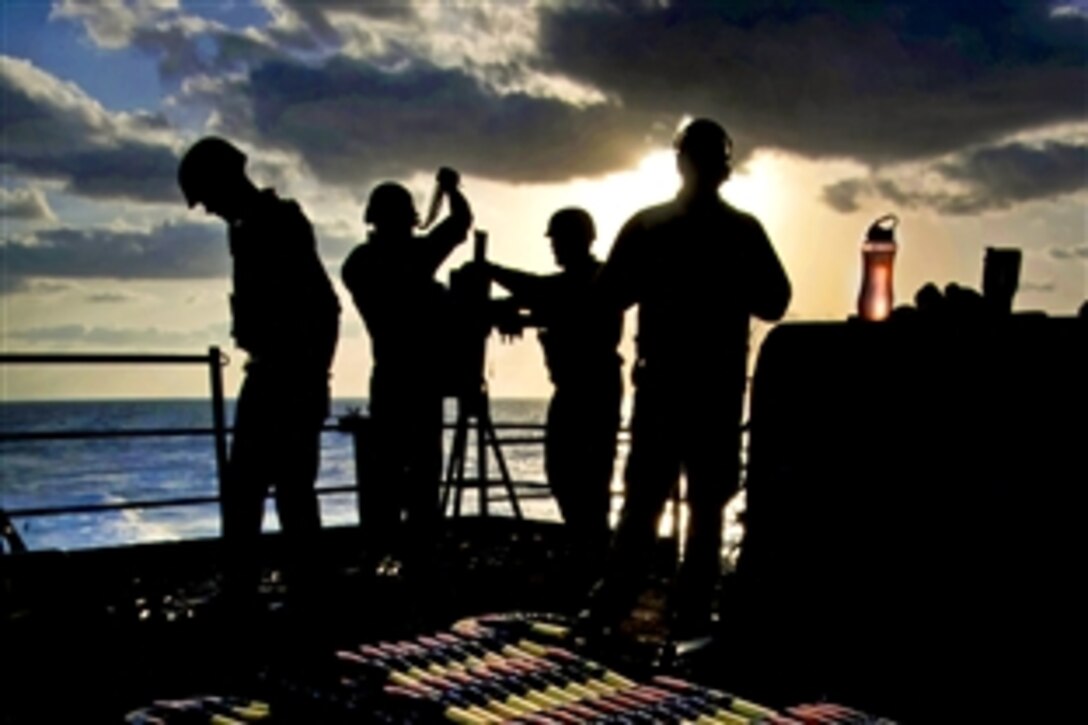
<point x="529" y="290"/>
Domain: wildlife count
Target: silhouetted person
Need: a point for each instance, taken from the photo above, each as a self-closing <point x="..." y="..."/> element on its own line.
<point x="698" y="269"/>
<point x="579" y="337"/>
<point x="408" y="314"/>
<point x="286" y="317"/>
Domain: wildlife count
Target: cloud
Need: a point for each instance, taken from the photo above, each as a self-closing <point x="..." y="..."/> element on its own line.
<point x="187" y="44"/>
<point x="172" y="250"/>
<point x="108" y="298"/>
<point x="434" y="85"/>
<point x="547" y="92"/>
<point x="353" y="122"/>
<point x="319" y="15"/>
<point x="876" y="82"/>
<point x="1038" y="287"/>
<point x="1017" y="172"/>
<point x="114" y="23"/>
<point x="154" y="337"/>
<point x="28" y="204"/>
<point x="843" y="195"/>
<point x="978" y="181"/>
<point x="53" y="130"/>
<point x="1069" y="253"/>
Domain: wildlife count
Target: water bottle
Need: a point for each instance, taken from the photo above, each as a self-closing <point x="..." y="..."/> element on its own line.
<point x="877" y="261"/>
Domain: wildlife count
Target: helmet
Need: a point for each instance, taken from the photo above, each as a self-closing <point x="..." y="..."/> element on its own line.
<point x="208" y="162"/>
<point x="704" y="137"/>
<point x="391" y="203"/>
<point x="572" y="222"/>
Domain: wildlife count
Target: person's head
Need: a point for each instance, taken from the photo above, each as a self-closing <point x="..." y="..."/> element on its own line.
<point x="572" y="232"/>
<point x="704" y="153"/>
<point x="391" y="210"/>
<point x="213" y="173"/>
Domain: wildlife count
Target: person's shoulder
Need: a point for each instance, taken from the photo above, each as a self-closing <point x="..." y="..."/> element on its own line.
<point x="742" y="219"/>
<point x="653" y="216"/>
<point x="273" y="207"/>
<point x="359" y="271"/>
<point x="359" y="256"/>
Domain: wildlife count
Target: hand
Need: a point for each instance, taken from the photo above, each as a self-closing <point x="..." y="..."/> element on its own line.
<point x="448" y="178"/>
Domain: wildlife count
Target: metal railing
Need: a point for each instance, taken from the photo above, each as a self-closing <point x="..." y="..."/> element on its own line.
<point x="215" y="360"/>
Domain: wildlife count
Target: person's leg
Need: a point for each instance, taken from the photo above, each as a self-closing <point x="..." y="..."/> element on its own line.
<point x="712" y="468"/>
<point x="244" y="491"/>
<point x="561" y="463"/>
<point x="652" y="470"/>
<point x="296" y="456"/>
<point x="423" y="475"/>
<point x="580" y="452"/>
<point x="383" y="496"/>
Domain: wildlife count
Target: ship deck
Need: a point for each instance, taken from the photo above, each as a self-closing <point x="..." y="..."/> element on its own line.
<point x="90" y="635"/>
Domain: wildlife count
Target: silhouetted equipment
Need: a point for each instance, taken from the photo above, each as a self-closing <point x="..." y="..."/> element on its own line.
<point x="208" y="161"/>
<point x="914" y="517"/>
<point x="877" y="296"/>
<point x="468" y="386"/>
<point x="1000" y="278"/>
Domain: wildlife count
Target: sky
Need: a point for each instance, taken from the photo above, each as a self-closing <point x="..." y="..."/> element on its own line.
<point x="967" y="119"/>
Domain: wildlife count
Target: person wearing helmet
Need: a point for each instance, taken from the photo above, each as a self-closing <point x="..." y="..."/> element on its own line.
<point x="407" y="313"/>
<point x="285" y="316"/>
<point x="579" y="340"/>
<point x="698" y="269"/>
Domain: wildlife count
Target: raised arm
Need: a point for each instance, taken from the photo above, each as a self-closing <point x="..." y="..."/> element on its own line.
<point x="453" y="230"/>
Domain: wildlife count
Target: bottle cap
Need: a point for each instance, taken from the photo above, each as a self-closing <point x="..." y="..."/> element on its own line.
<point x="883" y="229"/>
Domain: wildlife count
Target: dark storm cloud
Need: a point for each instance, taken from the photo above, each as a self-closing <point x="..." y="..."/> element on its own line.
<point x="1017" y="172"/>
<point x="52" y="130"/>
<point x="998" y="177"/>
<point x="168" y="251"/>
<point x="352" y="122"/>
<point x="139" y="172"/>
<point x="878" y="82"/>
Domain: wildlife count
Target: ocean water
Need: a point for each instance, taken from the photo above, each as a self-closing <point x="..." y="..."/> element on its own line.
<point x="38" y="474"/>
<point x="63" y="473"/>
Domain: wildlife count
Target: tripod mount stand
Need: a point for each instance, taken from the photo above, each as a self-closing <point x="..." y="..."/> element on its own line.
<point x="470" y="288"/>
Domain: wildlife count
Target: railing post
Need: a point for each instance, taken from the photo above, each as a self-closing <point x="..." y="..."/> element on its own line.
<point x="219" y="418"/>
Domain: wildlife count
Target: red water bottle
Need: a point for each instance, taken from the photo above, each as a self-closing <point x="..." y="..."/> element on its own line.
<point x="877" y="261"/>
